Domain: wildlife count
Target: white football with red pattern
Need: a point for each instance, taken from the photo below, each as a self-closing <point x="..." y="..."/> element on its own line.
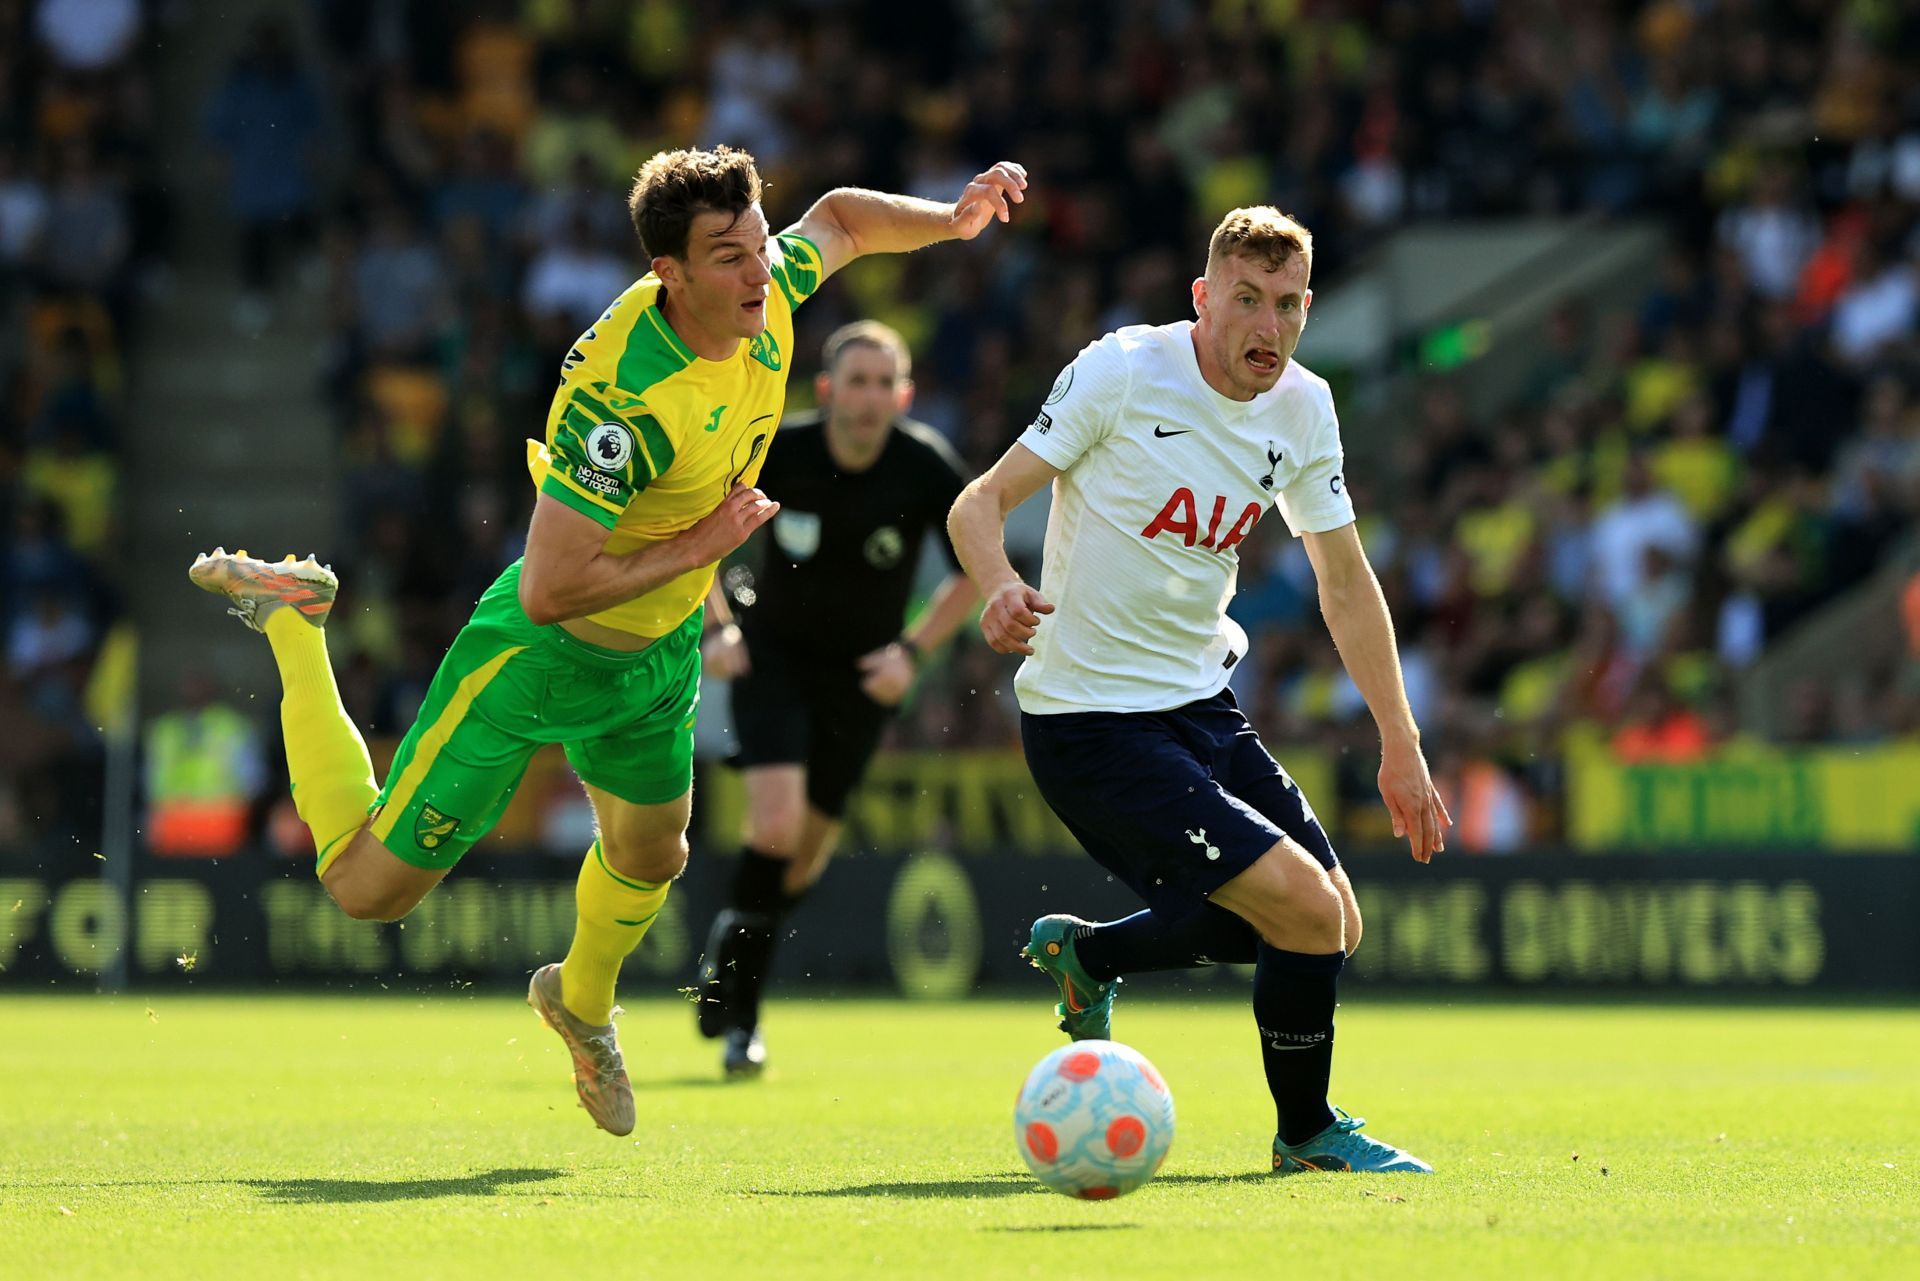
<point x="1094" y="1120"/>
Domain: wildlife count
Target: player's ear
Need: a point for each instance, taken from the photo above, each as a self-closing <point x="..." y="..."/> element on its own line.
<point x="668" y="269"/>
<point x="822" y="387"/>
<point x="903" y="396"/>
<point x="1199" y="295"/>
<point x="1306" y="302"/>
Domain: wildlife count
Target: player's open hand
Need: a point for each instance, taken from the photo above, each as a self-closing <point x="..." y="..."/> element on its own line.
<point x="1012" y="617"/>
<point x="723" y="653"/>
<point x="1418" y="813"/>
<point x="724" y="528"/>
<point x="990" y="195"/>
<point x="886" y="674"/>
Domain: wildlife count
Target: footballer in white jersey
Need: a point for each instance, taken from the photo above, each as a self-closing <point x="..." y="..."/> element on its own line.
<point x="1161" y="479"/>
<point x="1165" y="445"/>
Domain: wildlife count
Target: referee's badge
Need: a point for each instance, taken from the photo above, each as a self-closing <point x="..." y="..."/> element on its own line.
<point x="798" y="533"/>
<point x="884" y="547"/>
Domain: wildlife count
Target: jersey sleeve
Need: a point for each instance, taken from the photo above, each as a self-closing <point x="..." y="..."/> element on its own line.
<point x="1316" y="500"/>
<point x="603" y="448"/>
<point x="1079" y="412"/>
<point x="796" y="267"/>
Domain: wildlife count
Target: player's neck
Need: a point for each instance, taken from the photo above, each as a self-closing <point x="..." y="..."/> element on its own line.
<point x="701" y="341"/>
<point x="850" y="454"/>
<point x="1210" y="371"/>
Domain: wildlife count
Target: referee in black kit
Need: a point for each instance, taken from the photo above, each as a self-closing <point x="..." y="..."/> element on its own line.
<point x="819" y="661"/>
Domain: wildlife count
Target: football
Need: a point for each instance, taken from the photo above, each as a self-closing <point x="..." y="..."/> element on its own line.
<point x="1094" y="1120"/>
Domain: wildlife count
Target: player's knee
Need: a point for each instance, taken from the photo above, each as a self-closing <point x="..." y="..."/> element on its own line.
<point x="1330" y="917"/>
<point x="1353" y="926"/>
<point x="652" y="858"/>
<point x="1315" y="918"/>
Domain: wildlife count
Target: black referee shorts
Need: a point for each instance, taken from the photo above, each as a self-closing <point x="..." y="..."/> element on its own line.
<point x="793" y="710"/>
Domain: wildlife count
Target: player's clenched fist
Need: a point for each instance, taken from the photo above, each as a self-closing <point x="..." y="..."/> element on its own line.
<point x="724" y="528"/>
<point x="1012" y="617"/>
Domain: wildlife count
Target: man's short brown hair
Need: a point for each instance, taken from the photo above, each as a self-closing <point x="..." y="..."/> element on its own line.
<point x="1262" y="233"/>
<point x="867" y="333"/>
<point x="676" y="186"/>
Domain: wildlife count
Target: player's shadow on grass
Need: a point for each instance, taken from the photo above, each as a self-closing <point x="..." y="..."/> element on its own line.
<point x="689" y="1083"/>
<point x="347" y="1191"/>
<point x="991" y="1185"/>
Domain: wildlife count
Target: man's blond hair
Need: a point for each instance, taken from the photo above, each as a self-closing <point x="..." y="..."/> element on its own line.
<point x="1263" y="234"/>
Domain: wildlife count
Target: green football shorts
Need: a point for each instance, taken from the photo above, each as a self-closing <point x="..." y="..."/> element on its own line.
<point x="506" y="687"/>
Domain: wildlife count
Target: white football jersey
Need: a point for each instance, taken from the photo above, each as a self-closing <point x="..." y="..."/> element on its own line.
<point x="1163" y="478"/>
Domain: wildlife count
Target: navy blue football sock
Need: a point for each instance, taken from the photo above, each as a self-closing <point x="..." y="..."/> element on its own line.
<point x="1145" y="942"/>
<point x="1293" y="1000"/>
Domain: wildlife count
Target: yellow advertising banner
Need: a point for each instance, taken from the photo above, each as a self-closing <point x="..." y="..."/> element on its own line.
<point x="1826" y="798"/>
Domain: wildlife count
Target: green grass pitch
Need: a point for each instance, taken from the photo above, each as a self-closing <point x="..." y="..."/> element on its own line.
<point x="436" y="1136"/>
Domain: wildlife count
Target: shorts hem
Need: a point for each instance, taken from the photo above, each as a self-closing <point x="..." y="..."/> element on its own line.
<point x="641" y="795"/>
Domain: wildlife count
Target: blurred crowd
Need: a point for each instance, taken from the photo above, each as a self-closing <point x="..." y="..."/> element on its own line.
<point x="80" y="224"/>
<point x="1683" y="481"/>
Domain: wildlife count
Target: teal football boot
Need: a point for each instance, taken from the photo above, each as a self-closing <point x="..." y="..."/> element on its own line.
<point x="1342" y="1147"/>
<point x="1086" y="1005"/>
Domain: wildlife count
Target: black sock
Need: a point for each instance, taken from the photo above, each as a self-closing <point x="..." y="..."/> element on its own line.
<point x="760" y="905"/>
<point x="1144" y="942"/>
<point x="1293" y="1000"/>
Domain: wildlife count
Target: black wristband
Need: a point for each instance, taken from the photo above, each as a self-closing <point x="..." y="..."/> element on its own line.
<point x="914" y="651"/>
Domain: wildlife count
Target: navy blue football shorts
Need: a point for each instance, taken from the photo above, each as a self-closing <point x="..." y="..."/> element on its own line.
<point x="1174" y="803"/>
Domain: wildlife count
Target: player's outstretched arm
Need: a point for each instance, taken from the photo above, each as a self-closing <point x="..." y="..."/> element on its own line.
<point x="977" y="526"/>
<point x="848" y="222"/>
<point x="1362" y="630"/>
<point x="569" y="574"/>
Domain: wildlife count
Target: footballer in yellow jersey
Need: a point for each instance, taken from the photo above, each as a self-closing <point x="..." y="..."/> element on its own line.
<point x="646" y="473"/>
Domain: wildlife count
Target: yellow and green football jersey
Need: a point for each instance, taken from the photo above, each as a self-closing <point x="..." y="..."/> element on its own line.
<point x="647" y="438"/>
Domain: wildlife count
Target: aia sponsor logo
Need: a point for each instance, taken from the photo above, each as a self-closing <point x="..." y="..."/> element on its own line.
<point x="1180" y="517"/>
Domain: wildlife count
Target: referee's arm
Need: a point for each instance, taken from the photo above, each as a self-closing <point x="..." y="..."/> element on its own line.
<point x="952" y="604"/>
<point x="723" y="647"/>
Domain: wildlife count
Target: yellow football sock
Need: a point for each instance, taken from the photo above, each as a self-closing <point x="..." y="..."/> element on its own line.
<point x="327" y="761"/>
<point x="613" y="914"/>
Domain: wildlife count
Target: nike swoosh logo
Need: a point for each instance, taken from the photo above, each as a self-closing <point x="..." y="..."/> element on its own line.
<point x="1073" y="1006"/>
<point x="1163" y="433"/>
